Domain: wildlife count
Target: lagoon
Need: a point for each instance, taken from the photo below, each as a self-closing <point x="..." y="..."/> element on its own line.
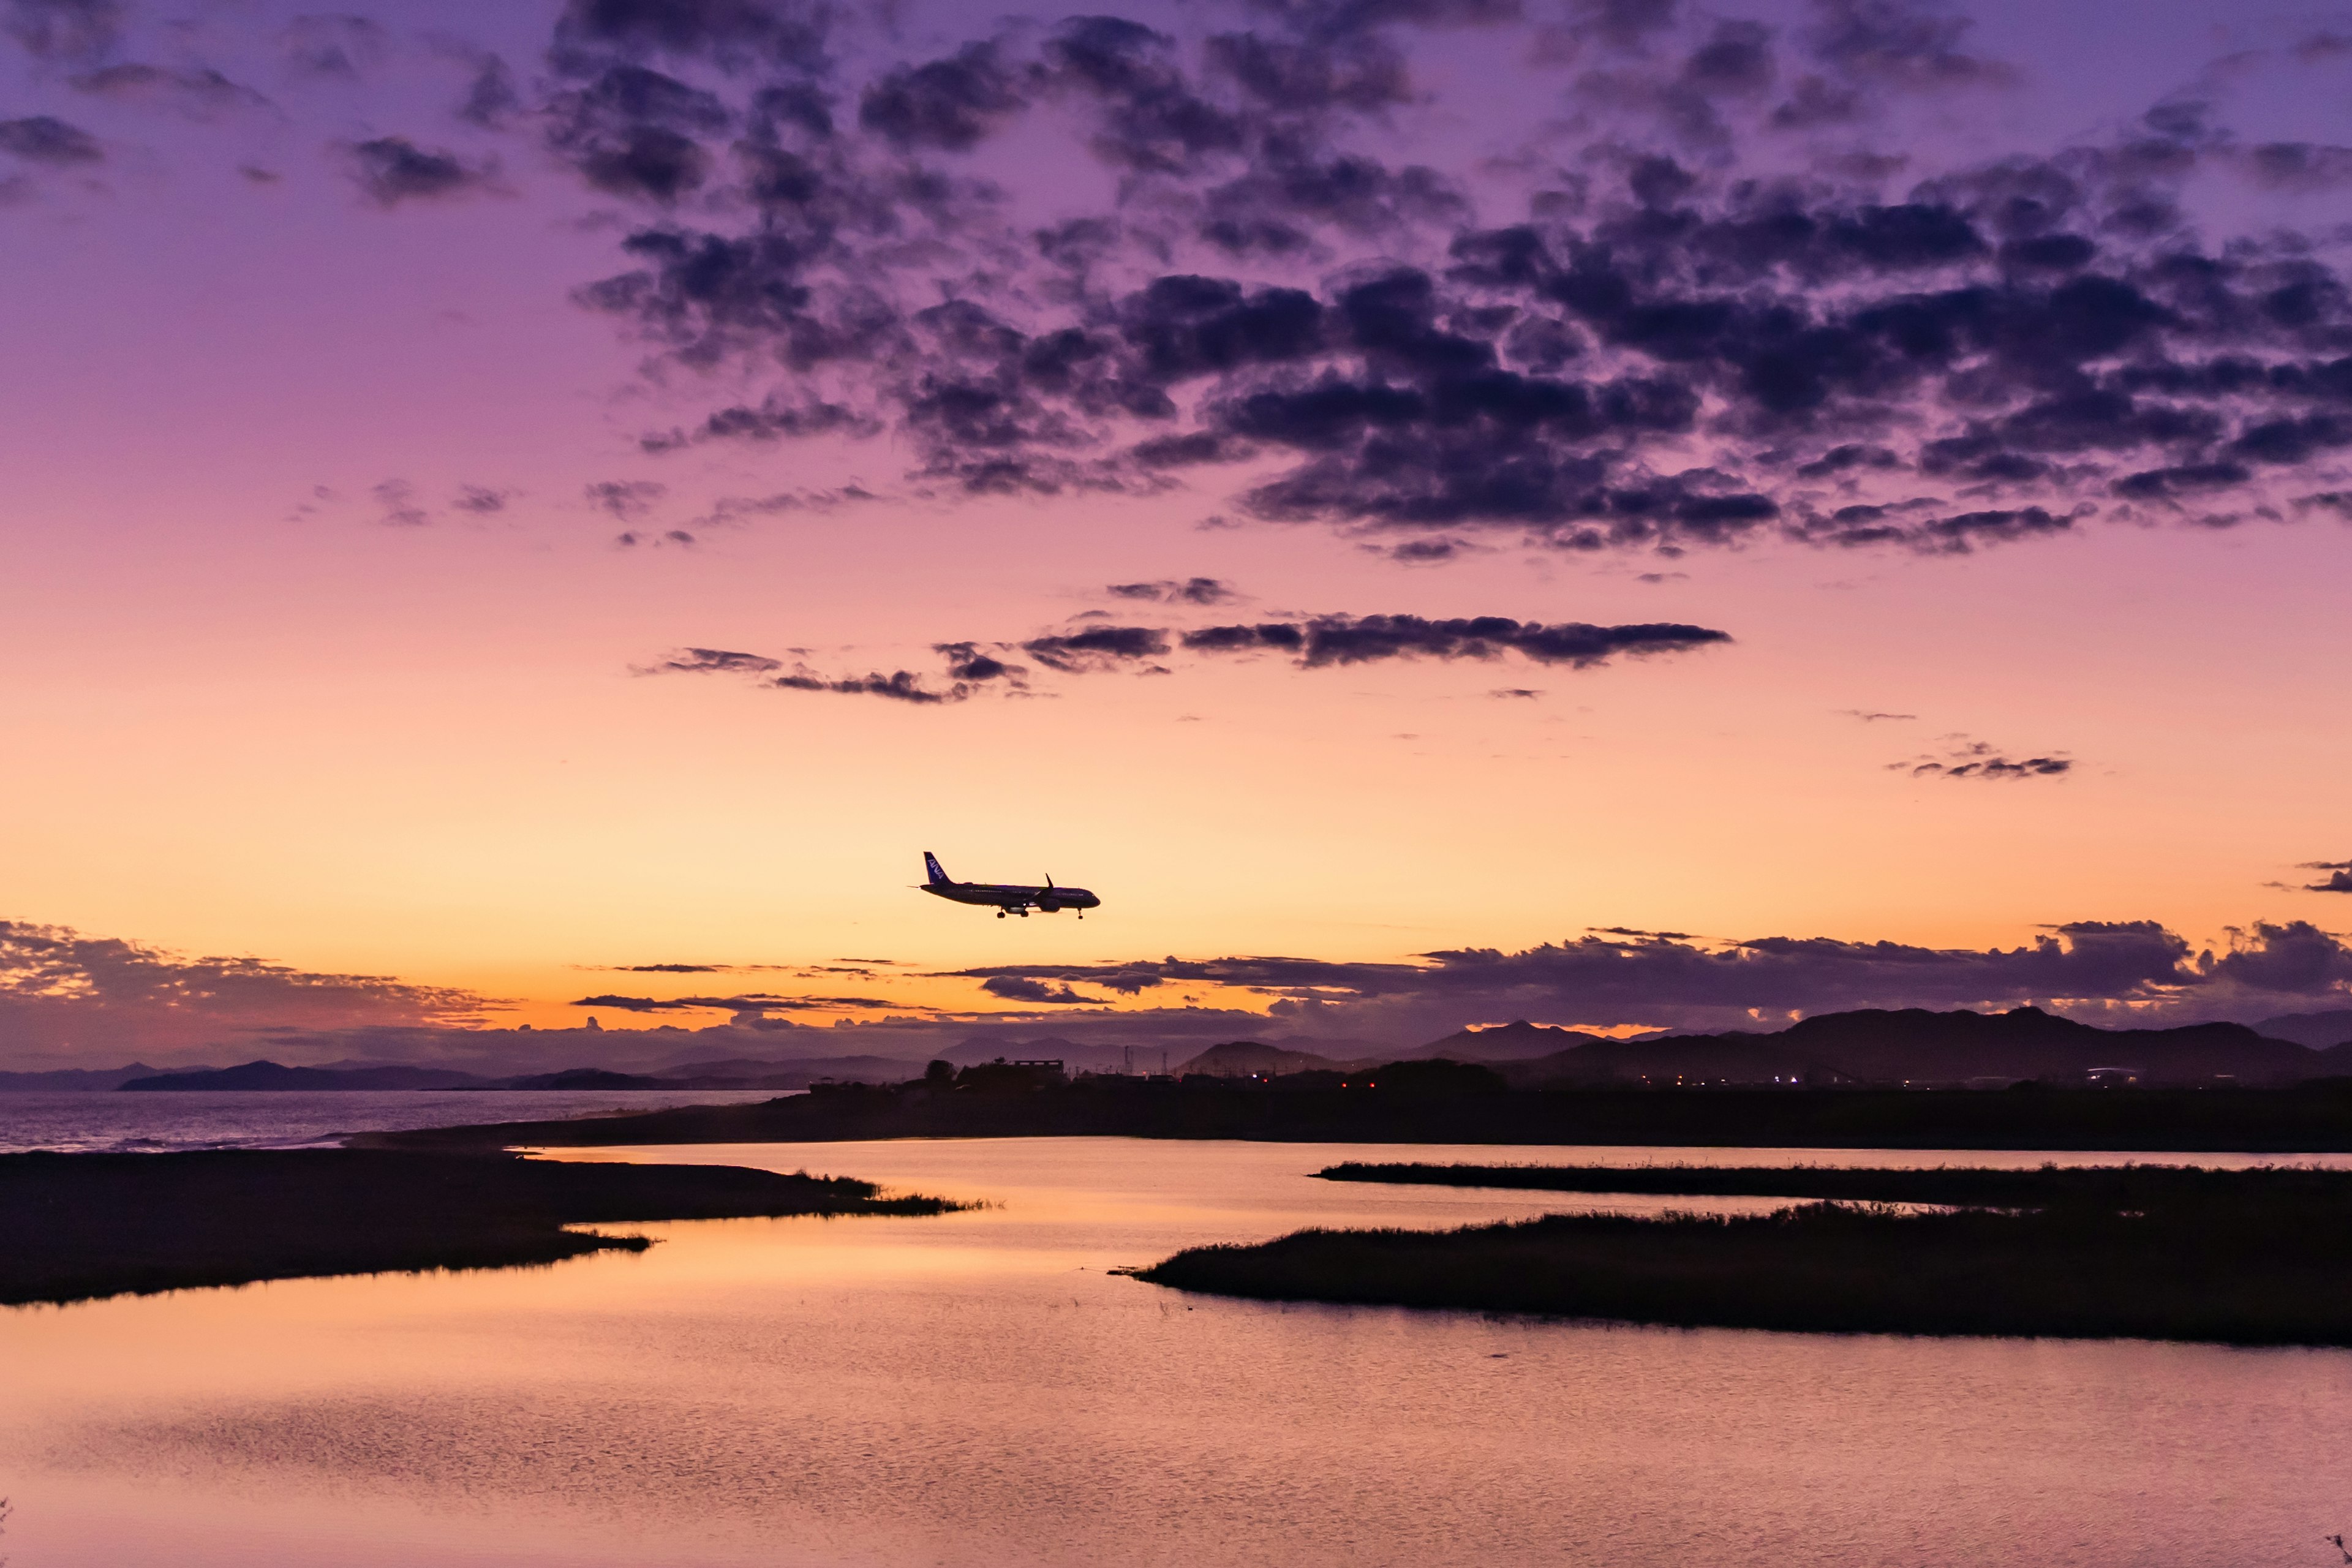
<point x="975" y="1388"/>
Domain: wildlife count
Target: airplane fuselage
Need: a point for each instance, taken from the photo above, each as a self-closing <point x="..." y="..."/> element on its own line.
<point x="1013" y="896"/>
<point x="1006" y="898"/>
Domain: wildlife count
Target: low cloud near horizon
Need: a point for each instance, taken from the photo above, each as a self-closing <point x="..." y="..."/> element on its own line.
<point x="70" y="1000"/>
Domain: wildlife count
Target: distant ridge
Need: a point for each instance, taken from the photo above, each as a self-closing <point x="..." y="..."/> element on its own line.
<point x="1241" y="1058"/>
<point x="273" y="1077"/>
<point x="1923" y="1048"/>
<point x="2317" y="1031"/>
<point x="76" y="1079"/>
<point x="1514" y="1041"/>
<point x="731" y="1074"/>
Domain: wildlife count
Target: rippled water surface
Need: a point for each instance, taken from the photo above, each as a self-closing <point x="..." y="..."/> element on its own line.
<point x="975" y="1389"/>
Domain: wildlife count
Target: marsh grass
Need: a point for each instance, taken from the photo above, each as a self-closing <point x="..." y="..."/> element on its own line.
<point x="76" y="1226"/>
<point x="2240" y="1258"/>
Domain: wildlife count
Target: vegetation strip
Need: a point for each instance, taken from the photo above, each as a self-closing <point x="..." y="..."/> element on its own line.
<point x="2115" y="1187"/>
<point x="78" y="1227"/>
<point x="2241" y="1258"/>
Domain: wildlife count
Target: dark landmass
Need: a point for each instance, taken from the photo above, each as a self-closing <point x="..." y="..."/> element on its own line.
<point x="1515" y="1041"/>
<point x="74" y="1080"/>
<point x="2112" y="1187"/>
<point x="2239" y="1257"/>
<point x="1915" y="1048"/>
<point x="76" y="1226"/>
<point x="1449" y="1102"/>
<point x="272" y="1077"/>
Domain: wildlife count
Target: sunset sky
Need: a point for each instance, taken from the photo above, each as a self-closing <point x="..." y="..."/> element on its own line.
<point x="1612" y="512"/>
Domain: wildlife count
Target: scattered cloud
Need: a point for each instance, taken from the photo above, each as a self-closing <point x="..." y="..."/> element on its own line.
<point x="1318" y="642"/>
<point x="64" y="29"/>
<point x="628" y="499"/>
<point x="199" y="91"/>
<point x="2119" y="972"/>
<point x="751" y="1003"/>
<point x="481" y="501"/>
<point x="43" y="139"/>
<point x="1870" y="716"/>
<point x="397" y="498"/>
<point x="1967" y="759"/>
<point x="1190" y="591"/>
<point x="711" y="661"/>
<point x="63" y="994"/>
<point x="390" y="170"/>
<point x="1018" y="988"/>
<point x="335" y="45"/>
<point x="2338" y="879"/>
<point x="1713" y="319"/>
<point x="1350" y="639"/>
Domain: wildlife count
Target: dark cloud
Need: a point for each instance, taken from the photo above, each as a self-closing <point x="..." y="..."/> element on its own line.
<point x="947" y="104"/>
<point x="1350" y="639"/>
<point x="199" y="90"/>
<point x="632" y="132"/>
<point x="1190" y="591"/>
<point x="1870" y="717"/>
<point x="755" y="1003"/>
<point x="967" y="662"/>
<point x="64" y="29"/>
<point x="1016" y="988"/>
<point x="1096" y="648"/>
<point x="1698" y="332"/>
<point x="401" y="509"/>
<point x="972" y="667"/>
<point x="42" y="139"/>
<point x="64" y="993"/>
<point x="1898" y="43"/>
<point x="628" y="499"/>
<point x="335" y="45"/>
<point x="735" y="33"/>
<point x="482" y="501"/>
<point x="393" y="169"/>
<point x="898" y="686"/>
<point x="1967" y="759"/>
<point x="2338" y="879"/>
<point x="2111" y="970"/>
<point x="1526" y="693"/>
<point x="492" y="100"/>
<point x="712" y="661"/>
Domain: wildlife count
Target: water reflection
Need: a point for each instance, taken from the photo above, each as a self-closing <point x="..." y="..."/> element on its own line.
<point x="974" y="1389"/>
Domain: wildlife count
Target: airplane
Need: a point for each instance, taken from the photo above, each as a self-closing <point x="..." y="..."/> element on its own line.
<point x="1010" y="898"/>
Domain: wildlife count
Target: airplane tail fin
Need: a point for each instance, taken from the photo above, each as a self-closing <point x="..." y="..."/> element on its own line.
<point x="931" y="865"/>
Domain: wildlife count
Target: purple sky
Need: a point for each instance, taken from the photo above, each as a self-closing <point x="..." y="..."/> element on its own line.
<point x="1424" y="487"/>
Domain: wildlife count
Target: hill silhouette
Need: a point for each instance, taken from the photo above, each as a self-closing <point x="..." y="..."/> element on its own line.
<point x="1518" y="1041"/>
<point x="1917" y="1048"/>
<point x="2317" y="1031"/>
<point x="1247" y="1058"/>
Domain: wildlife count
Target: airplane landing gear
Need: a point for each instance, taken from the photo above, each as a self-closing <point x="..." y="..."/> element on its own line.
<point x="1000" y="914"/>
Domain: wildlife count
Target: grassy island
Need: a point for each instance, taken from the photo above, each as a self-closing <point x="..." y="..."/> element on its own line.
<point x="78" y="1226"/>
<point x="2241" y="1257"/>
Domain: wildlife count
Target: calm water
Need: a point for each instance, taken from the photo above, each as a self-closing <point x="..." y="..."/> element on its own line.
<point x="147" y="1122"/>
<point x="974" y="1389"/>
